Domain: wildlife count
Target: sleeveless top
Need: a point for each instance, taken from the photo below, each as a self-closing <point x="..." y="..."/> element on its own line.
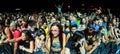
<point x="56" y="45"/>
<point x="26" y="45"/>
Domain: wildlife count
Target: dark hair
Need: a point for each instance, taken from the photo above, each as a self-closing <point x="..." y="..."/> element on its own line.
<point x="89" y="31"/>
<point x="7" y="21"/>
<point x="75" y="25"/>
<point x="27" y="34"/>
<point x="41" y="32"/>
<point x="69" y="25"/>
<point x="78" y="35"/>
<point x="60" y="33"/>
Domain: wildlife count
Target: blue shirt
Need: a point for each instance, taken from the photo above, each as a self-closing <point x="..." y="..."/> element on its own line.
<point x="96" y="27"/>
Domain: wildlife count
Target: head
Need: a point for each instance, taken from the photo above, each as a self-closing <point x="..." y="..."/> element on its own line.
<point x="95" y="21"/>
<point x="90" y="32"/>
<point x="7" y="22"/>
<point x="13" y="26"/>
<point x="25" y="24"/>
<point x="67" y="23"/>
<point x="44" y="24"/>
<point x="83" y="20"/>
<point x="55" y="29"/>
<point x="26" y="35"/>
<point x="40" y="35"/>
<point x="109" y="25"/>
<point x="73" y="28"/>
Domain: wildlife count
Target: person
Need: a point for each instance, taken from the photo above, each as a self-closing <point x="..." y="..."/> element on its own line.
<point x="40" y="41"/>
<point x="91" y="43"/>
<point x="16" y="34"/>
<point x="27" y="43"/>
<point x="59" y="8"/>
<point x="56" y="41"/>
<point x="76" y="43"/>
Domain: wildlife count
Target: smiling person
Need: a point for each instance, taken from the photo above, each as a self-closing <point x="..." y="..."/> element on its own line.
<point x="27" y="43"/>
<point x="56" y="42"/>
<point x="40" y="42"/>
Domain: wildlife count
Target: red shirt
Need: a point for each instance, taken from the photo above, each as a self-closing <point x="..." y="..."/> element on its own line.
<point x="16" y="33"/>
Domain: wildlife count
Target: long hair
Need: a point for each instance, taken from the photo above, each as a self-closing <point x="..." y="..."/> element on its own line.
<point x="60" y="33"/>
<point x="89" y="31"/>
<point x="41" y="32"/>
<point x="27" y="34"/>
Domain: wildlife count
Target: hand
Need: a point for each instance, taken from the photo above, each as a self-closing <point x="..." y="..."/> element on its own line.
<point x="1" y="42"/>
<point x="21" y="47"/>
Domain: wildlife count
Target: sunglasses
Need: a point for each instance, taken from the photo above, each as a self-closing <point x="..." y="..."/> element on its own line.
<point x="54" y="30"/>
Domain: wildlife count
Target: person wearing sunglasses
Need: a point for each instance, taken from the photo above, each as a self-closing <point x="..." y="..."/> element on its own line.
<point x="56" y="42"/>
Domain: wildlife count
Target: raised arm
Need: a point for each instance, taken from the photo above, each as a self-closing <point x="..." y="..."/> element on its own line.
<point x="110" y="15"/>
<point x="31" y="49"/>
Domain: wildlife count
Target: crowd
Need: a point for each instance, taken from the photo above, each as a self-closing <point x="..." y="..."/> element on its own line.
<point x="60" y="33"/>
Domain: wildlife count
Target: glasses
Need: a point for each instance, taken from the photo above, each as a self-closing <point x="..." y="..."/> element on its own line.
<point x="54" y="30"/>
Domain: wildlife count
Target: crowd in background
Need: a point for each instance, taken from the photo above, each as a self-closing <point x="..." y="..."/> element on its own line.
<point x="60" y="33"/>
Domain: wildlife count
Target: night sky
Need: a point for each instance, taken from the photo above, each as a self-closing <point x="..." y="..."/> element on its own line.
<point x="49" y="5"/>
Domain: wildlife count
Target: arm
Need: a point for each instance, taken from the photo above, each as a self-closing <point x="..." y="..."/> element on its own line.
<point x="87" y="47"/>
<point x="8" y="33"/>
<point x="64" y="43"/>
<point x="32" y="46"/>
<point x="67" y="38"/>
<point x="15" y="47"/>
<point x="48" y="44"/>
<point x="94" y="47"/>
<point x="110" y="15"/>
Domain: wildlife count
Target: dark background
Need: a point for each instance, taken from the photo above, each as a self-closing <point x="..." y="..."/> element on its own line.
<point x="49" y="5"/>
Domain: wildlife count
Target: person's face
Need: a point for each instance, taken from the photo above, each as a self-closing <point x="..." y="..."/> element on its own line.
<point x="23" y="37"/>
<point x="74" y="29"/>
<point x="96" y="22"/>
<point x="114" y="21"/>
<point x="67" y="23"/>
<point x="105" y="18"/>
<point x="12" y="27"/>
<point x="83" y="20"/>
<point x="40" y="39"/>
<point x="110" y="25"/>
<point x="45" y="24"/>
<point x="90" y="36"/>
<point x="55" y="31"/>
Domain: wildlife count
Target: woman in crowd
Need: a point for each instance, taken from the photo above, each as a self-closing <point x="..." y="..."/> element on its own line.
<point x="91" y="43"/>
<point x="40" y="41"/>
<point x="16" y="34"/>
<point x="67" y="29"/>
<point x="27" y="43"/>
<point x="56" y="42"/>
